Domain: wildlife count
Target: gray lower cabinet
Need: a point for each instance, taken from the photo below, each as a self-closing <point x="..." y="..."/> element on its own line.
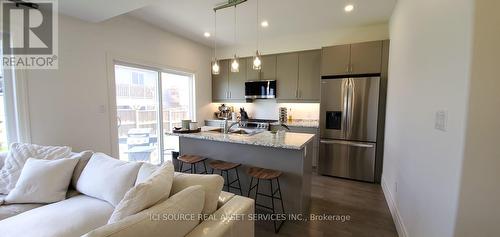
<point x="309" y="75"/>
<point x="287" y="75"/>
<point x="220" y="82"/>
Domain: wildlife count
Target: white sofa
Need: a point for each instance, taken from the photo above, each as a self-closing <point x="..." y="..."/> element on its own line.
<point x="84" y="215"/>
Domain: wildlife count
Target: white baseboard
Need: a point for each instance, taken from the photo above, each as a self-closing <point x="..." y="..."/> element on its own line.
<point x="398" y="221"/>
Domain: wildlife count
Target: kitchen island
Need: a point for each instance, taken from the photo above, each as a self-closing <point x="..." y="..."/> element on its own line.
<point x="290" y="153"/>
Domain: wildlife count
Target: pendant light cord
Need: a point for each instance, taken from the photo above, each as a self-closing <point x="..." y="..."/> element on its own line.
<point x="258" y="29"/>
<point x="235" y="47"/>
<point x="215" y="35"/>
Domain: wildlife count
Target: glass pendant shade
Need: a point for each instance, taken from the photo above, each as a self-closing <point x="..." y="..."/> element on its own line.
<point x="257" y="63"/>
<point x="235" y="65"/>
<point x="215" y="67"/>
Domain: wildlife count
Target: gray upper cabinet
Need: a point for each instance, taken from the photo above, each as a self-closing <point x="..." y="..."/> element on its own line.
<point x="220" y="82"/>
<point x="287" y="75"/>
<point x="236" y="88"/>
<point x="335" y="60"/>
<point x="252" y="75"/>
<point x="268" y="71"/>
<point x="309" y="75"/>
<point x="366" y="57"/>
<point x="360" y="58"/>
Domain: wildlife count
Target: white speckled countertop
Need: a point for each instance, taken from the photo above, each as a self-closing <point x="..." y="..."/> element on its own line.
<point x="288" y="140"/>
<point x="304" y="123"/>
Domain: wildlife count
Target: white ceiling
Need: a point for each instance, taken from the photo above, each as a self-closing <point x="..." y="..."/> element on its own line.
<point x="191" y="18"/>
<point x="100" y="10"/>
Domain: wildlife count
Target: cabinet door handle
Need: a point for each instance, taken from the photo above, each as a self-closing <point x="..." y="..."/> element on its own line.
<point x="229" y="94"/>
<point x="350" y="68"/>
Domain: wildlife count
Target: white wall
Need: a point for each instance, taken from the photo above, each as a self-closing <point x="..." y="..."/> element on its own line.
<point x="310" y="41"/>
<point x="428" y="71"/>
<point x="70" y="105"/>
<point x="479" y="207"/>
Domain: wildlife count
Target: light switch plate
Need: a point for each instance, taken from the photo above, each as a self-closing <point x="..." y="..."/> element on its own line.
<point x="441" y="120"/>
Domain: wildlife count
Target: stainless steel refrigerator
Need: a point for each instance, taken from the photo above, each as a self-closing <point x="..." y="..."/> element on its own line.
<point x="348" y="127"/>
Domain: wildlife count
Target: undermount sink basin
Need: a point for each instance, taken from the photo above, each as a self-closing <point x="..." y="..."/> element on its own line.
<point x="236" y="131"/>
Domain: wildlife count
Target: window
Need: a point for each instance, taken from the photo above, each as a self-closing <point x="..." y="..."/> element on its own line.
<point x="3" y="130"/>
<point x="144" y="97"/>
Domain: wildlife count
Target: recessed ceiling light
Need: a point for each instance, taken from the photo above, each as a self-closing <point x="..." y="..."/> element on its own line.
<point x="264" y="24"/>
<point x="349" y="8"/>
<point x="206" y="34"/>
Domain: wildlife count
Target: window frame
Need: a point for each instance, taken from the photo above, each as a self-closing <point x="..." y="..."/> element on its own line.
<point x="16" y="104"/>
<point x="114" y="61"/>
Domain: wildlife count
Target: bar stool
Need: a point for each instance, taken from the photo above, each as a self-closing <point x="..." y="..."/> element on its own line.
<point x="226" y="167"/>
<point x="270" y="175"/>
<point x="192" y="160"/>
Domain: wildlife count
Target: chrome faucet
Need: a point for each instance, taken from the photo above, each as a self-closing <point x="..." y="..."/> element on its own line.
<point x="228" y="126"/>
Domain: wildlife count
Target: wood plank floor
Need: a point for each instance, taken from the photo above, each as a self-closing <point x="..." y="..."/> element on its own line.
<point x="363" y="202"/>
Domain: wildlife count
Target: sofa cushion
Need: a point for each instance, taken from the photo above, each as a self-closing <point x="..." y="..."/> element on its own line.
<point x="11" y="210"/>
<point x="145" y="194"/>
<point x="107" y="178"/>
<point x="43" y="181"/>
<point x="212" y="184"/>
<point x="83" y="159"/>
<point x="163" y="219"/>
<point x="19" y="154"/>
<point x="146" y="170"/>
<point x="71" y="217"/>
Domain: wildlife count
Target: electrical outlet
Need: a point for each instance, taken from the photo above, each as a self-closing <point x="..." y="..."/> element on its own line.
<point x="441" y="120"/>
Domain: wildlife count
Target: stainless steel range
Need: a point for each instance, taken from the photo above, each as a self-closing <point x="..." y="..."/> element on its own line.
<point x="257" y="124"/>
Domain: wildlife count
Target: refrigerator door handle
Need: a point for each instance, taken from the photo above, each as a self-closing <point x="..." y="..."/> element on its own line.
<point x="345" y="91"/>
<point x="351" y="103"/>
<point x="356" y="144"/>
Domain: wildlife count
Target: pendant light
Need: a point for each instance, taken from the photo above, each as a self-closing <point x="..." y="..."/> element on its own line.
<point x="257" y="62"/>
<point x="215" y="63"/>
<point x="235" y="65"/>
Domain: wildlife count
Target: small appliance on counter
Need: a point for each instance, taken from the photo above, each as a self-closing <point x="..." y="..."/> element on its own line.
<point x="224" y="112"/>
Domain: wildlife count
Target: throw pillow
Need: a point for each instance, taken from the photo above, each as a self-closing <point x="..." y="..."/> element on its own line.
<point x="83" y="159"/>
<point x="107" y="178"/>
<point x="146" y="194"/>
<point x="19" y="154"/>
<point x="42" y="181"/>
<point x="211" y="183"/>
<point x="146" y="170"/>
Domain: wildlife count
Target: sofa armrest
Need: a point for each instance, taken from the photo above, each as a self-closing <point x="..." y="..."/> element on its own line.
<point x="232" y="219"/>
<point x="224" y="197"/>
<point x="3" y="156"/>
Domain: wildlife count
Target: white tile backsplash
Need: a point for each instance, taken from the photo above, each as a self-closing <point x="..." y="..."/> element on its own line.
<point x="269" y="109"/>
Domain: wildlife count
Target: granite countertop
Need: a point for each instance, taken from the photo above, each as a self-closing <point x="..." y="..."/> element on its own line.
<point x="304" y="123"/>
<point x="287" y="140"/>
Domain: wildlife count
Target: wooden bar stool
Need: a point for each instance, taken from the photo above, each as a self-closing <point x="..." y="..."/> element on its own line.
<point x="270" y="175"/>
<point x="226" y="167"/>
<point x="192" y="160"/>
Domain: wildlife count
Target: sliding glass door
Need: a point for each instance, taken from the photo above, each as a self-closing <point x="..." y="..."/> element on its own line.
<point x="140" y="108"/>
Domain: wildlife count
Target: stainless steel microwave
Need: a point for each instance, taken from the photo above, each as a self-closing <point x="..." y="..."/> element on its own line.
<point x="260" y="89"/>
